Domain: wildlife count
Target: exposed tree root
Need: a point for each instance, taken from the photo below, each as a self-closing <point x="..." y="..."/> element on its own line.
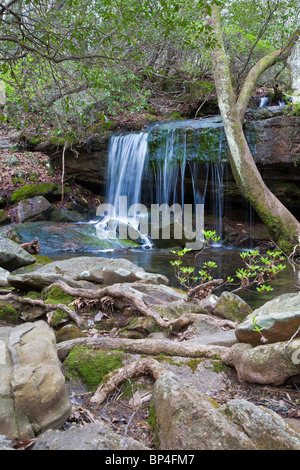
<point x="203" y="290"/>
<point x="31" y="247"/>
<point x="127" y="295"/>
<point x="152" y="347"/>
<point x="113" y="379"/>
<point x="48" y="307"/>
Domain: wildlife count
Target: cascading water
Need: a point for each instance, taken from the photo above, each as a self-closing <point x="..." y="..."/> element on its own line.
<point x="127" y="155"/>
<point x="167" y="164"/>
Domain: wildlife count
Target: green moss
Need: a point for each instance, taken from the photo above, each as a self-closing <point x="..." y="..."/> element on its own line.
<point x="92" y="366"/>
<point x="68" y="332"/>
<point x="218" y="366"/>
<point x="57" y="317"/>
<point x="193" y="364"/>
<point x="8" y="313"/>
<point x="214" y="403"/>
<point x="152" y="421"/>
<point x="56" y="296"/>
<point x="32" y="295"/>
<point x="31" y="190"/>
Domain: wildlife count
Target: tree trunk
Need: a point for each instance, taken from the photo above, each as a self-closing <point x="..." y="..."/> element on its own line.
<point x="282" y="225"/>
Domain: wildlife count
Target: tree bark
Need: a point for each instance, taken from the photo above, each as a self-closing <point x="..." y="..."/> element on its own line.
<point x="282" y="225"/>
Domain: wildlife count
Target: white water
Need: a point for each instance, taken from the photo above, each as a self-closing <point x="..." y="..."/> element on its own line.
<point x="131" y="174"/>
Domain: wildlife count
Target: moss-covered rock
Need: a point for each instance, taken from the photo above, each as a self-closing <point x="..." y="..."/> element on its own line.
<point x="8" y="313"/>
<point x="68" y="332"/>
<point x="4" y="218"/>
<point x="50" y="191"/>
<point x="232" y="307"/>
<point x="56" y="296"/>
<point x="57" y="317"/>
<point x="91" y="366"/>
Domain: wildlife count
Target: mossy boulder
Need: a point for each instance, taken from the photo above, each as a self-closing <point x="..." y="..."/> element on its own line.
<point x="8" y="313"/>
<point x="50" y="191"/>
<point x="232" y="307"/>
<point x="91" y="366"/>
<point x="68" y="332"/>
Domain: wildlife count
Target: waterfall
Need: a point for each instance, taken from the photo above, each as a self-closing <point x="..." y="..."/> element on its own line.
<point x="169" y="163"/>
<point x="263" y="101"/>
<point x="127" y="155"/>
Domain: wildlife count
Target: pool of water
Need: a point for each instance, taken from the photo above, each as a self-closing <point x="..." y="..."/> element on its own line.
<point x="227" y="260"/>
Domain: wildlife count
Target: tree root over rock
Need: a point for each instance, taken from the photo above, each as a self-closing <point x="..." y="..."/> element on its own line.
<point x="138" y="303"/>
<point x="48" y="307"/>
<point x="113" y="379"/>
<point x="153" y="347"/>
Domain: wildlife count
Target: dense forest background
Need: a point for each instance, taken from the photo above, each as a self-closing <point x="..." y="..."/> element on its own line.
<point x="74" y="68"/>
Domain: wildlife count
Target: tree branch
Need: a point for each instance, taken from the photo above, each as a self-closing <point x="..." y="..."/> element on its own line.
<point x="259" y="68"/>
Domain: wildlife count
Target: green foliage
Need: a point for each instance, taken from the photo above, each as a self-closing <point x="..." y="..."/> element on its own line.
<point x="257" y="270"/>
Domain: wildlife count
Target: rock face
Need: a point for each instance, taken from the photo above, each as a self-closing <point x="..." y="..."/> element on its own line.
<point x="12" y="256"/>
<point x="278" y="320"/>
<point x="33" y="394"/>
<point x="36" y="208"/>
<point x="183" y="418"/>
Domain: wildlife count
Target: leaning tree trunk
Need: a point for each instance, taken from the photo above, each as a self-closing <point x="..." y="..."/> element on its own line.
<point x="282" y="225"/>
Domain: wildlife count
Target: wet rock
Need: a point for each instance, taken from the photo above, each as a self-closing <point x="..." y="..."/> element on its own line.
<point x="277" y="319"/>
<point x="95" y="436"/>
<point x="12" y="256"/>
<point x="57" y="237"/>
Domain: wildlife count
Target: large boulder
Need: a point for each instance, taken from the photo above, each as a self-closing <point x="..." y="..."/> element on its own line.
<point x="266" y="428"/>
<point x="267" y="364"/>
<point x="12" y="256"/>
<point x="277" y="320"/>
<point x="34" y="209"/>
<point x="33" y="395"/>
<point x="185" y="419"/>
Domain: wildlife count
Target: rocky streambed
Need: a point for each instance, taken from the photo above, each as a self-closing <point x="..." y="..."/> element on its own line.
<point x="97" y="353"/>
